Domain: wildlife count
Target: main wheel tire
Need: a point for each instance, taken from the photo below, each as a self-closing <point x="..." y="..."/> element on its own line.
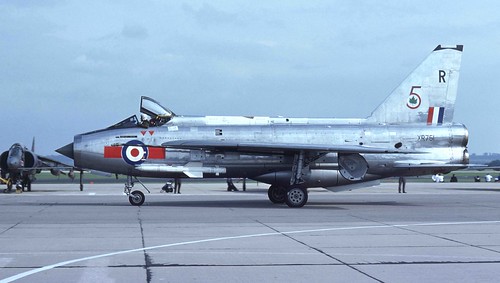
<point x="276" y="194"/>
<point x="296" y="197"/>
<point x="136" y="198"/>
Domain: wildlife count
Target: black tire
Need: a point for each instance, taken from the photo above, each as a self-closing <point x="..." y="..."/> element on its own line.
<point x="136" y="198"/>
<point x="296" y="197"/>
<point x="276" y="194"/>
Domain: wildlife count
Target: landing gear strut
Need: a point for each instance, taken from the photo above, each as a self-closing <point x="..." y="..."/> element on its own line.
<point x="296" y="194"/>
<point x="136" y="197"/>
<point x="81" y="180"/>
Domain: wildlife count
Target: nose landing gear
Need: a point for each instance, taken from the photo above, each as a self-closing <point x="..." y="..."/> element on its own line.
<point x="136" y="198"/>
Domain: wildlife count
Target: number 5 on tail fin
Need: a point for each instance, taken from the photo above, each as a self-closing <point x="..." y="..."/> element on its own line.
<point x="428" y="94"/>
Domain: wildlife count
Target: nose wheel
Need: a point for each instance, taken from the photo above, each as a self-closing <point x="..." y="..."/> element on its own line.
<point x="136" y="198"/>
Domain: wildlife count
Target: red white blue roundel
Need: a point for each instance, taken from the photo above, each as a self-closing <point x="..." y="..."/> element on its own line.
<point x="134" y="152"/>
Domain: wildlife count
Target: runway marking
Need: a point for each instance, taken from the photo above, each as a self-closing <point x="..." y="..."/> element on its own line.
<point x="52" y="266"/>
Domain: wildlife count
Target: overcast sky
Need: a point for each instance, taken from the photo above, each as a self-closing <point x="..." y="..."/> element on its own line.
<point x="68" y="67"/>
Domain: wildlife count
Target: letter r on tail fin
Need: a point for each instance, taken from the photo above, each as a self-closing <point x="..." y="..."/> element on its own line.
<point x="428" y="94"/>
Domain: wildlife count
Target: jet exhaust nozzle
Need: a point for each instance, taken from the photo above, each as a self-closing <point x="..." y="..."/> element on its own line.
<point x="67" y="150"/>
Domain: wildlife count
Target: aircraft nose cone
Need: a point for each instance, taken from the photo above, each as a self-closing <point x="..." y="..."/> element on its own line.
<point x="67" y="150"/>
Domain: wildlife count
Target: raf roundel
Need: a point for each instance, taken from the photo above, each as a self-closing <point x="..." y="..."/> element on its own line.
<point x="134" y="152"/>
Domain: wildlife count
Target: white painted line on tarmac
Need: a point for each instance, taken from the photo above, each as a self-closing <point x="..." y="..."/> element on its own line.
<point x="52" y="266"/>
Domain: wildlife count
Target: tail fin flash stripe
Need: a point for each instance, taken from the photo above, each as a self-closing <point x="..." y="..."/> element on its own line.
<point x="441" y="115"/>
<point x="435" y="116"/>
<point x="430" y="115"/>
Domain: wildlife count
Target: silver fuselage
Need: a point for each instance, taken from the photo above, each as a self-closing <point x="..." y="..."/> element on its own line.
<point x="444" y="144"/>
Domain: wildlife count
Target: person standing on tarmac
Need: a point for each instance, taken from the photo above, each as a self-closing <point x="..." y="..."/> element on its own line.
<point x="402" y="185"/>
<point x="230" y="185"/>
<point x="177" y="186"/>
<point x="453" y="179"/>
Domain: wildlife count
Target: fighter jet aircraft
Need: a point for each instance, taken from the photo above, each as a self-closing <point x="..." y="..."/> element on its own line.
<point x="411" y="133"/>
<point x="19" y="166"/>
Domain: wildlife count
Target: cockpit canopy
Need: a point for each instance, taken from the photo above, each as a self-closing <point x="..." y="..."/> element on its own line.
<point x="158" y="114"/>
<point x="152" y="108"/>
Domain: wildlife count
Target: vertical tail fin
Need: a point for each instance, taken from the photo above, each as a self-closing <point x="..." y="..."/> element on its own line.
<point x="428" y="94"/>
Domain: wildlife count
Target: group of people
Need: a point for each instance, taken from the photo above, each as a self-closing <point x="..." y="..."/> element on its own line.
<point x="439" y="178"/>
<point x="487" y="178"/>
<point x="174" y="186"/>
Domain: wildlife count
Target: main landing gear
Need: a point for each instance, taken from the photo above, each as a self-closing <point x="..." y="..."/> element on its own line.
<point x="136" y="198"/>
<point x="293" y="196"/>
<point x="20" y="185"/>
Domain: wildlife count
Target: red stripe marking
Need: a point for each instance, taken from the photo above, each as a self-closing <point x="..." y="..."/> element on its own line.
<point x="151" y="132"/>
<point x="430" y="115"/>
<point x="112" y="152"/>
<point x="143" y="132"/>
<point x="156" y="153"/>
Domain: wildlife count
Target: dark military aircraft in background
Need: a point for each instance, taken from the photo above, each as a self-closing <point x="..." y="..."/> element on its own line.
<point x="411" y="133"/>
<point x="19" y="166"/>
